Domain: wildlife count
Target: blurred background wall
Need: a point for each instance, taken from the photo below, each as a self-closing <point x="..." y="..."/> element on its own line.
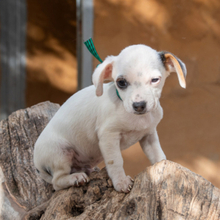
<point x="51" y="51"/>
<point x="190" y="130"/>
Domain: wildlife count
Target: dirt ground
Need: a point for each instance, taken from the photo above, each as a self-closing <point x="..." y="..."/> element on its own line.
<point x="190" y="130"/>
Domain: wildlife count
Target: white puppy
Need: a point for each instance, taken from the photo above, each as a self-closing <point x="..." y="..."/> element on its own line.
<point x="96" y="123"/>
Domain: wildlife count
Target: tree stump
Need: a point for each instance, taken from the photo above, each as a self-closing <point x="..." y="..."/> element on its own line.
<point x="165" y="190"/>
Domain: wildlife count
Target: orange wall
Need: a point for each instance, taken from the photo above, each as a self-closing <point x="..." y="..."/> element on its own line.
<point x="51" y="51"/>
<point x="189" y="132"/>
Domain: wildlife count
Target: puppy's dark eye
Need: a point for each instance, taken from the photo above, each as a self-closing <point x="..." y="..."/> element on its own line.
<point x="122" y="83"/>
<point x="155" y="80"/>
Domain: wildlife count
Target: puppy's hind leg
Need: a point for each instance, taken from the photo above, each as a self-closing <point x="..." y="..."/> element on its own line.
<point x="63" y="178"/>
<point x="64" y="174"/>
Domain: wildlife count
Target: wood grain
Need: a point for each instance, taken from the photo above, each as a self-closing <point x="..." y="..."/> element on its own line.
<point x="163" y="191"/>
<point x="22" y="187"/>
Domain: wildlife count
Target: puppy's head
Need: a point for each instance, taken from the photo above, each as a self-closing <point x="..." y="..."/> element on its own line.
<point x="139" y="73"/>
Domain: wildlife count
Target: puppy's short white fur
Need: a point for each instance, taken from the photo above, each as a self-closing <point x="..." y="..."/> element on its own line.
<point x="94" y="124"/>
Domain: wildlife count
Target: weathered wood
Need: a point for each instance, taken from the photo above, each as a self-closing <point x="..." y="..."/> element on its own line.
<point x="163" y="191"/>
<point x="21" y="185"/>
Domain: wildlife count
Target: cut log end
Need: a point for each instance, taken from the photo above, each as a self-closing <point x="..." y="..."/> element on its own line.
<point x="165" y="190"/>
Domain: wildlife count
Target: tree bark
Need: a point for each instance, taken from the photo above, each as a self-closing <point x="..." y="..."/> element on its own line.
<point x="165" y="190"/>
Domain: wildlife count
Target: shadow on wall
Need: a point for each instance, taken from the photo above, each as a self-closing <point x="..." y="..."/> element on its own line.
<point x="51" y="51"/>
<point x="189" y="132"/>
<point x="187" y="29"/>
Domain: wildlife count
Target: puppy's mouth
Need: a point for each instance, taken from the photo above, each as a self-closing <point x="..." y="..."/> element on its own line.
<point x="141" y="113"/>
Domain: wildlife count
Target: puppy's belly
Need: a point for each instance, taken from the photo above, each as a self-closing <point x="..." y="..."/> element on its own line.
<point x="86" y="165"/>
<point x="81" y="162"/>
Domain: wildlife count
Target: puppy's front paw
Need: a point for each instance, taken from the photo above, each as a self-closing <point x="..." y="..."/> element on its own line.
<point x="123" y="184"/>
<point x="79" y="179"/>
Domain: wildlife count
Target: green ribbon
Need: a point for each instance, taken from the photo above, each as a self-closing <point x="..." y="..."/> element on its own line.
<point x="91" y="47"/>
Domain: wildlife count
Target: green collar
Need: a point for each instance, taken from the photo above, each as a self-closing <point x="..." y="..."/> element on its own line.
<point x="118" y="95"/>
<point x="91" y="47"/>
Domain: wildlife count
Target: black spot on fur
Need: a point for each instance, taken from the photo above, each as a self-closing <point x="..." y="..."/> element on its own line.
<point x="137" y="84"/>
<point x="139" y="74"/>
<point x="162" y="56"/>
<point x="47" y="170"/>
<point x="163" y="59"/>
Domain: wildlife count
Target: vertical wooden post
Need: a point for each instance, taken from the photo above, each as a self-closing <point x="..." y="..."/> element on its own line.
<point x="13" y="42"/>
<point x="85" y="17"/>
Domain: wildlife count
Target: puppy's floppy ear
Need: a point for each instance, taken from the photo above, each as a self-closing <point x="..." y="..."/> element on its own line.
<point x="174" y="64"/>
<point x="102" y="73"/>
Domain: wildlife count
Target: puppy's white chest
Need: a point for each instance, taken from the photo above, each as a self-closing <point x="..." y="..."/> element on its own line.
<point x="129" y="138"/>
<point x="139" y="128"/>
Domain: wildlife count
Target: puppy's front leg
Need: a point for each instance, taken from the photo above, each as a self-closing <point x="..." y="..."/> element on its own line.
<point x="151" y="147"/>
<point x="110" y="148"/>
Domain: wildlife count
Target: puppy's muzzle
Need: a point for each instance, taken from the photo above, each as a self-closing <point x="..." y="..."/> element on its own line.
<point x="139" y="107"/>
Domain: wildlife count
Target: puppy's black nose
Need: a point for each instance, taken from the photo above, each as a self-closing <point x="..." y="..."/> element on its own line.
<point x="139" y="106"/>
